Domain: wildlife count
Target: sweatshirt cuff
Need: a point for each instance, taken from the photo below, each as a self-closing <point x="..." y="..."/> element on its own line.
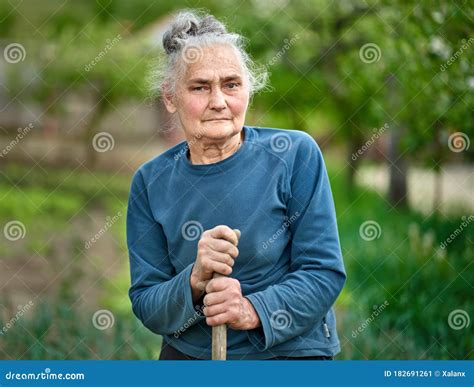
<point x="262" y="337"/>
<point x="191" y="309"/>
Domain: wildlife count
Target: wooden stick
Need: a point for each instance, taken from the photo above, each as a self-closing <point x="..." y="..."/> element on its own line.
<point x="219" y="332"/>
<point x="219" y="337"/>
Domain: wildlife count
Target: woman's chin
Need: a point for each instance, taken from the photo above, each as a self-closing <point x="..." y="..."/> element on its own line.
<point x="218" y="129"/>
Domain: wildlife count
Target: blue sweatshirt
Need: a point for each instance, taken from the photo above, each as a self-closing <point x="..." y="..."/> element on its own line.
<point x="276" y="191"/>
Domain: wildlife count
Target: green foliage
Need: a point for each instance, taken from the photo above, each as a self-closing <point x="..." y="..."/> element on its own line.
<point x="312" y="50"/>
<point x="407" y="267"/>
<point x="58" y="331"/>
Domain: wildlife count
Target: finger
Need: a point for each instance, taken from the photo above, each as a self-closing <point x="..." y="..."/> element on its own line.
<point x="219" y="319"/>
<point x="223" y="246"/>
<point x="225" y="232"/>
<point x="237" y="233"/>
<point x="217" y="284"/>
<point x="215" y="298"/>
<point x="218" y="256"/>
<point x="202" y="285"/>
<point x="222" y="257"/>
<point x="221" y="268"/>
<point x="214" y="310"/>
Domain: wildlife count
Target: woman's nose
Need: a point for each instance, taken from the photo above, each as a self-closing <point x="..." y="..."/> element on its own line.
<point x="217" y="101"/>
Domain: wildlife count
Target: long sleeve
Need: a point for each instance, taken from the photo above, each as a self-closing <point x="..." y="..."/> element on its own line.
<point x="161" y="298"/>
<point x="304" y="295"/>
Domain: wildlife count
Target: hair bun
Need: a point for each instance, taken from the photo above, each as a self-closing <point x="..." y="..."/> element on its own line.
<point x="188" y="24"/>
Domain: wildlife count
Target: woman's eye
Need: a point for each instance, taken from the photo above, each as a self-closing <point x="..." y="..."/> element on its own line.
<point x="232" y="85"/>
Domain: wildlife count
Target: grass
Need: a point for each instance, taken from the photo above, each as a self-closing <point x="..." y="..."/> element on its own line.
<point x="405" y="268"/>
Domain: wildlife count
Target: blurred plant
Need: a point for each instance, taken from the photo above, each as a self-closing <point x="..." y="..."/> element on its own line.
<point x="103" y="62"/>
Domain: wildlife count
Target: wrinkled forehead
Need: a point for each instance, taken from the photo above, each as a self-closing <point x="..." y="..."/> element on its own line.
<point x="219" y="61"/>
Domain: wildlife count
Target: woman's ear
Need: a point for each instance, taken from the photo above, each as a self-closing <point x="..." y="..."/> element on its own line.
<point x="168" y="99"/>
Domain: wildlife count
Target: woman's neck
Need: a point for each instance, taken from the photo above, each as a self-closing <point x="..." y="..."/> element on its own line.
<point x="206" y="153"/>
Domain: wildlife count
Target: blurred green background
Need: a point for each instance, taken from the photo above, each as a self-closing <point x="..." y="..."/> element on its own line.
<point x="385" y="87"/>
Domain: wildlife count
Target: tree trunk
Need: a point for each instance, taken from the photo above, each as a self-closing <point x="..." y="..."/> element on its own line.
<point x="353" y="158"/>
<point x="92" y="130"/>
<point x="438" y="159"/>
<point x="397" y="189"/>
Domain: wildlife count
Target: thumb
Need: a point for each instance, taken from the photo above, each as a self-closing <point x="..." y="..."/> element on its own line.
<point x="237" y="233"/>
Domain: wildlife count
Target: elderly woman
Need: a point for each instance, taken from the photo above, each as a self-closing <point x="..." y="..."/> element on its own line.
<point x="186" y="207"/>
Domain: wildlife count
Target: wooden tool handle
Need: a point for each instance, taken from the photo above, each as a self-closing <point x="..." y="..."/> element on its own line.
<point x="219" y="332"/>
<point x="219" y="337"/>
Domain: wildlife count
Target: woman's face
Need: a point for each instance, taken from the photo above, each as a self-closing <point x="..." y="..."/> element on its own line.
<point x="212" y="98"/>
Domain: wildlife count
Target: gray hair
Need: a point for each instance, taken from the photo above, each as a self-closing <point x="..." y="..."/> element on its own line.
<point x="183" y="42"/>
